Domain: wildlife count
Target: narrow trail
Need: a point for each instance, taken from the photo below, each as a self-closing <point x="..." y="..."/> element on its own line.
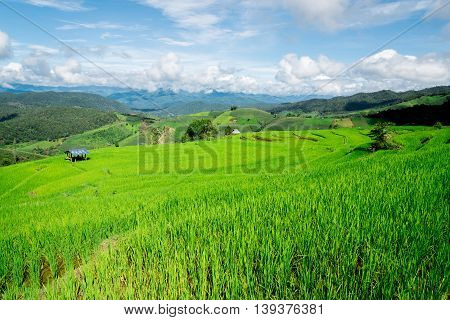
<point x="340" y="135"/>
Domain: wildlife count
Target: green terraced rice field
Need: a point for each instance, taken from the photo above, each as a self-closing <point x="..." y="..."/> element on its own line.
<point x="272" y="215"/>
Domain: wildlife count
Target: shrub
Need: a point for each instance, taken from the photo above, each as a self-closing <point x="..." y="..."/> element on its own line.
<point x="228" y="131"/>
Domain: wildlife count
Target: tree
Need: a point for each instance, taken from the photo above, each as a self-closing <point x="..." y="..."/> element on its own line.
<point x="382" y="137"/>
<point x="228" y="131"/>
<point x="233" y="108"/>
<point x="200" y="129"/>
<point x="438" y="125"/>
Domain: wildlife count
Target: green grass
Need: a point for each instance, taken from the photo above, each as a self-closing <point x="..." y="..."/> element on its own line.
<point x="273" y="215"/>
<point x="243" y="117"/>
<point x="102" y="137"/>
<point x="299" y="123"/>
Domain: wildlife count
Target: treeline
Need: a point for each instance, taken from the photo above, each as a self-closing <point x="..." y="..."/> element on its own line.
<point x="22" y="124"/>
<point x="360" y="101"/>
<point x="418" y="115"/>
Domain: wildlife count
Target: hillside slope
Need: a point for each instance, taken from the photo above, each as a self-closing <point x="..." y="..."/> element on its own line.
<point x="360" y="101"/>
<point x="61" y="99"/>
<point x="259" y="216"/>
<point x="24" y="123"/>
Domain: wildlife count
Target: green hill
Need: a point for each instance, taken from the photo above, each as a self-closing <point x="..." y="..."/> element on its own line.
<point x="25" y="123"/>
<point x="360" y="101"/>
<point x="245" y="119"/>
<point x="424" y="100"/>
<point x="271" y="215"/>
<point x="61" y="99"/>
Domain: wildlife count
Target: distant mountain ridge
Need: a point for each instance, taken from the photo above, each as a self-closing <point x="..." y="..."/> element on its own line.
<point x="167" y="102"/>
<point x="61" y="99"/>
<point x="359" y="101"/>
<point x="164" y="102"/>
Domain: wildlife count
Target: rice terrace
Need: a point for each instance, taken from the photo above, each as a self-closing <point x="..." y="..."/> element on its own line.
<point x="243" y="155"/>
<point x="337" y="222"/>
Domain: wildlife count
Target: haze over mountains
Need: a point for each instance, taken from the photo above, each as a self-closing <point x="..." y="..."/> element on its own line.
<point x="164" y="102"/>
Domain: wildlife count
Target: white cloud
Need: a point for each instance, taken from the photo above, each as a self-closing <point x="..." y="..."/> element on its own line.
<point x="295" y="74"/>
<point x="294" y="70"/>
<point x="389" y="64"/>
<point x="42" y="50"/>
<point x="199" y="19"/>
<point x="38" y="66"/>
<point x="334" y="15"/>
<point x="5" y="45"/>
<point x="218" y="78"/>
<point x="187" y="13"/>
<point x="70" y="72"/>
<point x="173" y="42"/>
<point x="71" y="25"/>
<point x="246" y="34"/>
<point x="58" y="4"/>
<point x="13" y="71"/>
<point x="107" y="35"/>
<point x="387" y="69"/>
<point x="167" y="69"/>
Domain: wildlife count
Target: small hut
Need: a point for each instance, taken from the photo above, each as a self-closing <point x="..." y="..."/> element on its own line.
<point x="235" y="131"/>
<point x="76" y="154"/>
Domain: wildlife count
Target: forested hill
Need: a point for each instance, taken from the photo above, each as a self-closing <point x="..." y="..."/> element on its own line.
<point x="23" y="123"/>
<point x="61" y="99"/>
<point x="360" y="101"/>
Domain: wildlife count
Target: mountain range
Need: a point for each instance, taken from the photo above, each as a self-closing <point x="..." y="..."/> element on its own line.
<point x="167" y="102"/>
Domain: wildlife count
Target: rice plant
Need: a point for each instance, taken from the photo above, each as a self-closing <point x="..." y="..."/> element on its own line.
<point x="272" y="215"/>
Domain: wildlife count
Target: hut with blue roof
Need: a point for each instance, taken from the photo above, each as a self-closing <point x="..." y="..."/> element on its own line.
<point x="76" y="154"/>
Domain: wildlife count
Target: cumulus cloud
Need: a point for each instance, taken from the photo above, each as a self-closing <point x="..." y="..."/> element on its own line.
<point x="38" y="66"/>
<point x="218" y="78"/>
<point x="387" y="69"/>
<point x="70" y="72"/>
<point x="13" y="71"/>
<point x="389" y="64"/>
<point x="295" y="74"/>
<point x="166" y="69"/>
<point x="5" y="45"/>
<point x="294" y="69"/>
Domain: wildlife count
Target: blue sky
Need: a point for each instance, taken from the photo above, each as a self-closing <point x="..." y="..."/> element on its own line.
<point x="266" y="46"/>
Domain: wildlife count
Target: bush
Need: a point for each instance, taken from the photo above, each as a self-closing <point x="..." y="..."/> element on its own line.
<point x="228" y="131"/>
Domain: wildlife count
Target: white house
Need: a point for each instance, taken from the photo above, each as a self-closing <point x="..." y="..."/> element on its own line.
<point x="235" y="131"/>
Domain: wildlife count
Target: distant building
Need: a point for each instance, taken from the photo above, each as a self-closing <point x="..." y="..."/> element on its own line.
<point x="235" y="131"/>
<point x="76" y="154"/>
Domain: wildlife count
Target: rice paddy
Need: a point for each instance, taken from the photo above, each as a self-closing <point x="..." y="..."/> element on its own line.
<point x="271" y="215"/>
